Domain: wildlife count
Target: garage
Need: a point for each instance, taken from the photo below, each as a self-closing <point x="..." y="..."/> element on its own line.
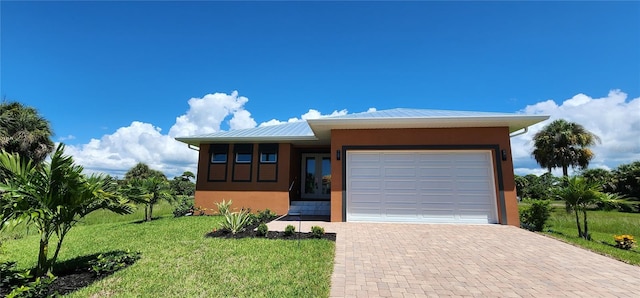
<point x="427" y="186"/>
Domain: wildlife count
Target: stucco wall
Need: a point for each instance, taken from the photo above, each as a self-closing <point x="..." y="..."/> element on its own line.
<point x="455" y="137"/>
<point x="254" y="194"/>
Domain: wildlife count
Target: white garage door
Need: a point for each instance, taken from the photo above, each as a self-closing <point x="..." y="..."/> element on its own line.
<point x="421" y="186"/>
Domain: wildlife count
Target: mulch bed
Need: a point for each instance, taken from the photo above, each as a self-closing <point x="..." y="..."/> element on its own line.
<point x="250" y="232"/>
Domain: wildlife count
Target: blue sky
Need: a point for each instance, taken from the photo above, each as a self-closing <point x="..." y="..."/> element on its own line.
<point x="109" y="74"/>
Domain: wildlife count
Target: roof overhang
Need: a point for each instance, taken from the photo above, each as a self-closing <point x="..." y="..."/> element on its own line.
<point x="196" y="141"/>
<point x="322" y="127"/>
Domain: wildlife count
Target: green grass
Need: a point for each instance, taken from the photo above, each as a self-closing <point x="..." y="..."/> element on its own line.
<point x="602" y="226"/>
<point x="177" y="260"/>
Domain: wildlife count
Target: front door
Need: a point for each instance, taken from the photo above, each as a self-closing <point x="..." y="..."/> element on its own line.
<point x="316" y="173"/>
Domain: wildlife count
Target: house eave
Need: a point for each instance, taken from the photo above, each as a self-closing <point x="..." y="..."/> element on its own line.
<point x="265" y="139"/>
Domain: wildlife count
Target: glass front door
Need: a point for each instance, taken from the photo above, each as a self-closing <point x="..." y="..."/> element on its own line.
<point x="316" y="172"/>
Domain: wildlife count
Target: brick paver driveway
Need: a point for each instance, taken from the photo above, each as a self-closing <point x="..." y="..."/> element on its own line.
<point x="422" y="260"/>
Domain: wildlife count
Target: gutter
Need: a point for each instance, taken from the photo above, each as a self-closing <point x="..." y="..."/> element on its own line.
<point x="526" y="129"/>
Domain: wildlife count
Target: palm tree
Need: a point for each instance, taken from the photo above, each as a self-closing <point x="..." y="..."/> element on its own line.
<point x="563" y="144"/>
<point x="53" y="196"/>
<point x="578" y="194"/>
<point x="25" y="132"/>
<point x="148" y="192"/>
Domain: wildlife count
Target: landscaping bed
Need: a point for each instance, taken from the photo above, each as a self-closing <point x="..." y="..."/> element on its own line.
<point x="250" y="232"/>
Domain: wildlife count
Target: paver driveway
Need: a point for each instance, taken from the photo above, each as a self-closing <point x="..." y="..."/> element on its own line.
<point x="423" y="260"/>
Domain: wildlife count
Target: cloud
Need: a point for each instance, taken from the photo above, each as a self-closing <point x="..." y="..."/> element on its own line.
<point x="614" y="118"/>
<point x="116" y="153"/>
<point x="311" y="114"/>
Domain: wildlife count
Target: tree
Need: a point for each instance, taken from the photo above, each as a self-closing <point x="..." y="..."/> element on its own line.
<point x="535" y="187"/>
<point x="563" y="144"/>
<point x="24" y="131"/>
<point x="182" y="185"/>
<point x="142" y="171"/>
<point x="53" y="196"/>
<point x="148" y="192"/>
<point x="578" y="194"/>
<point x="602" y="177"/>
<point x="627" y="178"/>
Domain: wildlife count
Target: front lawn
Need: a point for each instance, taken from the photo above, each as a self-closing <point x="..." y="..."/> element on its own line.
<point x="602" y="226"/>
<point x="178" y="261"/>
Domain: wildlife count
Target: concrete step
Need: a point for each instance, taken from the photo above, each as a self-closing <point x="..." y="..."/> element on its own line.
<point x="310" y="207"/>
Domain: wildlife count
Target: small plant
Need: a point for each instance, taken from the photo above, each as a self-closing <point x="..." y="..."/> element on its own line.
<point x="223" y="207"/>
<point x="317" y="231"/>
<point x="262" y="230"/>
<point x="534" y="217"/>
<point x="266" y="215"/>
<point x="184" y="207"/>
<point x="236" y="221"/>
<point x="11" y="278"/>
<point x="108" y="263"/>
<point x="37" y="288"/>
<point x="624" y="241"/>
<point x="289" y="230"/>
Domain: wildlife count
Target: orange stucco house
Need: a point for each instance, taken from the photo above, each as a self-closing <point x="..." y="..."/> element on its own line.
<point x="399" y="165"/>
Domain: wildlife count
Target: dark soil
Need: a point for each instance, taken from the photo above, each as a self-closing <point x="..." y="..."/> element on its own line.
<point x="250" y="232"/>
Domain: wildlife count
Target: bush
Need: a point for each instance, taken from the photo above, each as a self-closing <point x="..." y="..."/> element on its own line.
<point x="262" y="230"/>
<point x="236" y="221"/>
<point x="11" y="278"/>
<point x="266" y="215"/>
<point x="289" y="230"/>
<point x="106" y="264"/>
<point x="37" y="288"/>
<point x="317" y="231"/>
<point x="184" y="206"/>
<point x="534" y="217"/>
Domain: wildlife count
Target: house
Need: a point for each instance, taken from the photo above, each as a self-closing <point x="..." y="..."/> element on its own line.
<point x="398" y="165"/>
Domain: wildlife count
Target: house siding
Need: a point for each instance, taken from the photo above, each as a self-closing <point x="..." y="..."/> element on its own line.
<point x="429" y="138"/>
<point x="256" y="185"/>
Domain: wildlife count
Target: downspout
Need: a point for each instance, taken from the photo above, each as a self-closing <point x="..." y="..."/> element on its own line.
<point x="526" y="129"/>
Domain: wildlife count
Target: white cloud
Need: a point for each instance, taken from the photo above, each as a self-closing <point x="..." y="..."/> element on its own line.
<point x="614" y="118"/>
<point x="116" y="153"/>
<point x="311" y="114"/>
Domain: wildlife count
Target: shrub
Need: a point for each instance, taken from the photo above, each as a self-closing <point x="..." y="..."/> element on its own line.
<point x="262" y="230"/>
<point x="534" y="217"/>
<point x="223" y="207"/>
<point x="624" y="241"/>
<point x="289" y="230"/>
<point x="184" y="206"/>
<point x="266" y="215"/>
<point x="108" y="263"/>
<point x="37" y="288"/>
<point x="11" y="278"/>
<point x="317" y="231"/>
<point x="236" y="221"/>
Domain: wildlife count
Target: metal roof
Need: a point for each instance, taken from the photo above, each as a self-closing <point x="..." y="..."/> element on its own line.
<point x="319" y="130"/>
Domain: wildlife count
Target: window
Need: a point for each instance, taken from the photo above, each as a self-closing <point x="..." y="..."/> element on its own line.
<point x="268" y="153"/>
<point x="243" y="157"/>
<point x="218" y="157"/>
<point x="266" y="157"/>
<point x="219" y="153"/>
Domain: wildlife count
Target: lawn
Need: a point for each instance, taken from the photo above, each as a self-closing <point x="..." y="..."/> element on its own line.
<point x="602" y="226"/>
<point x="177" y="260"/>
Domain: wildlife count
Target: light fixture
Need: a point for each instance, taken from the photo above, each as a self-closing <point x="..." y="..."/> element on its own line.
<point x="337" y="154"/>
<point x="504" y="154"/>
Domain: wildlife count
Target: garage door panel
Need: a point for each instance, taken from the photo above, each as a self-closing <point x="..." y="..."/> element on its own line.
<point x="421" y="186"/>
<point x="365" y="185"/>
